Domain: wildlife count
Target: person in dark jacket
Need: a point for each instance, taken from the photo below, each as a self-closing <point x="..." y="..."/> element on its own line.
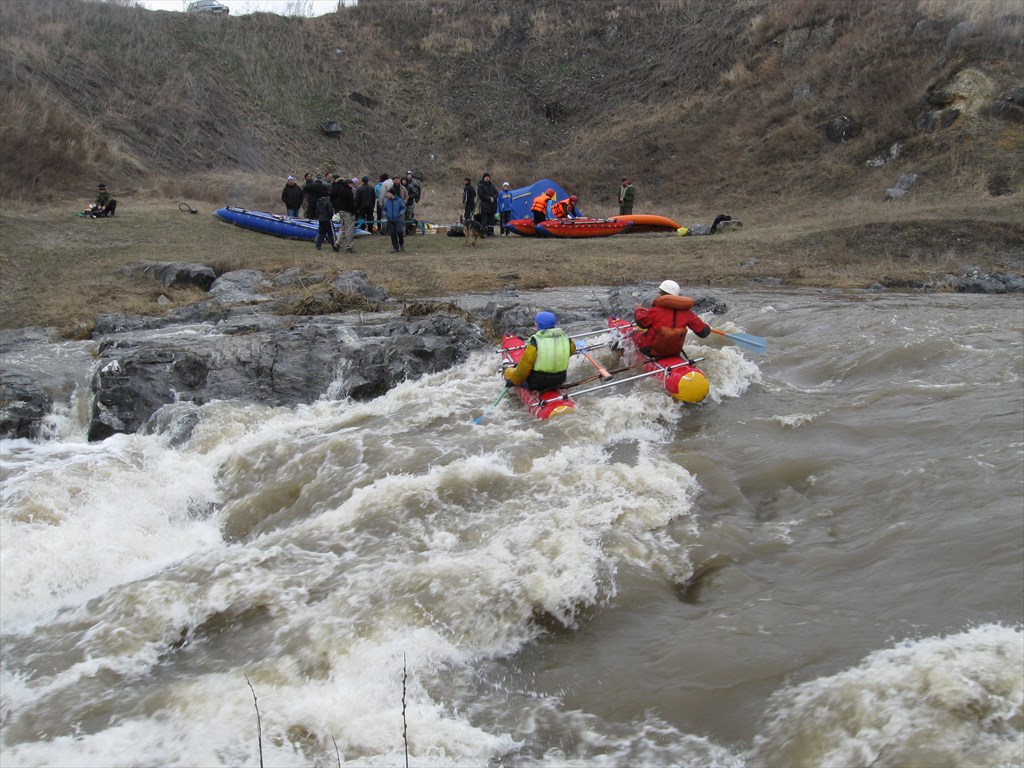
<point x="468" y="199"/>
<point x="365" y="200"/>
<point x="487" y="198"/>
<point x="105" y="204"/>
<point x="324" y="216"/>
<point x="314" y="189"/>
<point x="292" y="196"/>
<point x="343" y="200"/>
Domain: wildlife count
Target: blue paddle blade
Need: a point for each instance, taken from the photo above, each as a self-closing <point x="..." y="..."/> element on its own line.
<point x="747" y="341"/>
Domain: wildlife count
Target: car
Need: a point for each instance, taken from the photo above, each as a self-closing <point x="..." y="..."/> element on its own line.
<point x="208" y="6"/>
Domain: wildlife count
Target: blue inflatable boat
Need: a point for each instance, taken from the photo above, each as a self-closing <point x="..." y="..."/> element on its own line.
<point x="271" y="223"/>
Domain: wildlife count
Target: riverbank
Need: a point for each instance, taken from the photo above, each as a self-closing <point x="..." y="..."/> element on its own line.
<point x="61" y="270"/>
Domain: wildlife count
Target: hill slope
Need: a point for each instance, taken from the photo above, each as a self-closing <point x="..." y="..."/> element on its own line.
<point x="729" y="104"/>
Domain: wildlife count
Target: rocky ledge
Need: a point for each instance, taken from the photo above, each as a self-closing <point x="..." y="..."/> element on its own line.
<point x="348" y="340"/>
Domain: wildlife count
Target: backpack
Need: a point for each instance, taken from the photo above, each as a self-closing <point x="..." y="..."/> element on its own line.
<point x="668" y="342"/>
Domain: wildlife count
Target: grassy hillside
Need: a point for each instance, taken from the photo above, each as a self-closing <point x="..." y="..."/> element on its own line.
<point x="707" y="105"/>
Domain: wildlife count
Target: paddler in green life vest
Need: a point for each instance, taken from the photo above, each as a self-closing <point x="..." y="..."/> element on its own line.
<point x="543" y="364"/>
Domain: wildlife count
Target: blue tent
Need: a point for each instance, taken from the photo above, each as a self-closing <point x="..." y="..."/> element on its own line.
<point x="522" y="198"/>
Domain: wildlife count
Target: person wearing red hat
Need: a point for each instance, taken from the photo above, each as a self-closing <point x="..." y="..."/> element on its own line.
<point x="540" y="205"/>
<point x="565" y="209"/>
<point x="663" y="326"/>
<point x="627" y="194"/>
<point x="546" y="358"/>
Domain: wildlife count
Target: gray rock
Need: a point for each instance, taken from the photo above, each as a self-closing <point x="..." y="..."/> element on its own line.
<point x="356" y="281"/>
<point x="841" y="129"/>
<point x="269" y="359"/>
<point x="963" y="35"/>
<point x="23" y="404"/>
<point x="884" y="158"/>
<point x="238" y="286"/>
<point x="905" y="183"/>
<point x="176" y="273"/>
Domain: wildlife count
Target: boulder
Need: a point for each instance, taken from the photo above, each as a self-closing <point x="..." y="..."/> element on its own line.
<point x="23" y="404"/>
<point x="176" y="274"/>
<point x="905" y="183"/>
<point x="281" y="361"/>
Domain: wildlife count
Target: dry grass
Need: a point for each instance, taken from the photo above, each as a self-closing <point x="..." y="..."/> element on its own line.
<point x="850" y="244"/>
<point x="693" y="99"/>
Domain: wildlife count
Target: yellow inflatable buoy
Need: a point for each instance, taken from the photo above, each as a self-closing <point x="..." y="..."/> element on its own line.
<point x="682" y="231"/>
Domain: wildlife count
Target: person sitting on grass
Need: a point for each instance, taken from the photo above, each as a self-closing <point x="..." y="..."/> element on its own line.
<point x="104" y="206"/>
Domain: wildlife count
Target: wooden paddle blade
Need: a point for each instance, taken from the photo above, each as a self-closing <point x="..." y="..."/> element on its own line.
<point x="745" y="340"/>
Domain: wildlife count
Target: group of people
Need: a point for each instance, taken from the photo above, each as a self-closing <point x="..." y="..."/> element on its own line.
<point x="661" y="332"/>
<point x="389" y="205"/>
<point x="544" y="207"/>
<point x="488" y="202"/>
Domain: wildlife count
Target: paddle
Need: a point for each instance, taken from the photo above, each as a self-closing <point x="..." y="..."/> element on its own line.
<point x="745" y="340"/>
<point x="594" y="378"/>
<point x="631" y="378"/>
<point x="600" y="368"/>
<point x="494" y="405"/>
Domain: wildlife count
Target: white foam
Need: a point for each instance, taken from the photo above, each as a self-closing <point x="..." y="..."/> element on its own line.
<point x="954" y="700"/>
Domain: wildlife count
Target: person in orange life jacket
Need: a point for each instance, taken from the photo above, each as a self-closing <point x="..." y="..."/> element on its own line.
<point x="546" y="358"/>
<point x="663" y="326"/>
<point x="565" y="209"/>
<point x="540" y="206"/>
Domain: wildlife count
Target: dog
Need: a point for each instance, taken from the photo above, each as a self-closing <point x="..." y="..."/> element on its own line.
<point x="473" y="230"/>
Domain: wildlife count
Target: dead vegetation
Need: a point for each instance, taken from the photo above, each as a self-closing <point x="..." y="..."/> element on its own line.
<point x="709" y="107"/>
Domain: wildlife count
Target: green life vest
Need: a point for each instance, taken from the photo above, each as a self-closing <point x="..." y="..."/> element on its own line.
<point x="552" y="351"/>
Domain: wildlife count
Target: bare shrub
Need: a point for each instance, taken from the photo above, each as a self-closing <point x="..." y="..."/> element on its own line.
<point x="329" y="302"/>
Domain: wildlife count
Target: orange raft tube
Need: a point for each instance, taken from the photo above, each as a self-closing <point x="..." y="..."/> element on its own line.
<point x="543" y="405"/>
<point x="684" y="381"/>
<point x="647" y="222"/>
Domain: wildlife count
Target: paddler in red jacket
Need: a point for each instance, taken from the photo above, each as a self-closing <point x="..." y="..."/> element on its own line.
<point x="540" y="206"/>
<point x="663" y="326"/>
<point x="546" y="359"/>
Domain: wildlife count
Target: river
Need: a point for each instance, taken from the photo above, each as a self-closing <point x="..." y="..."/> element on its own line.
<point x="822" y="564"/>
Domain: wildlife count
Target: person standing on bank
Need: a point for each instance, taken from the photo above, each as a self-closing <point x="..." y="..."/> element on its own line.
<point x="505" y="208"/>
<point x="394" y="211"/>
<point x="627" y="194"/>
<point x="540" y="205"/>
<point x="325" y="220"/>
<point x="343" y="200"/>
<point x="292" y="196"/>
<point x="546" y="358"/>
<point x="663" y="326"/>
<point x="365" y="200"/>
<point x="487" y="199"/>
<point x="468" y="199"/>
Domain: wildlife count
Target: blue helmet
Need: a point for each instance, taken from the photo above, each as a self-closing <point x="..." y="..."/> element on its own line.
<point x="545" y="320"/>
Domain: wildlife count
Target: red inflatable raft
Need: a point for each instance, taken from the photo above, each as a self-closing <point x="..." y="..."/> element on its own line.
<point x="582" y="227"/>
<point x="684" y="381"/>
<point x="522" y="227"/>
<point x="543" y="405"/>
